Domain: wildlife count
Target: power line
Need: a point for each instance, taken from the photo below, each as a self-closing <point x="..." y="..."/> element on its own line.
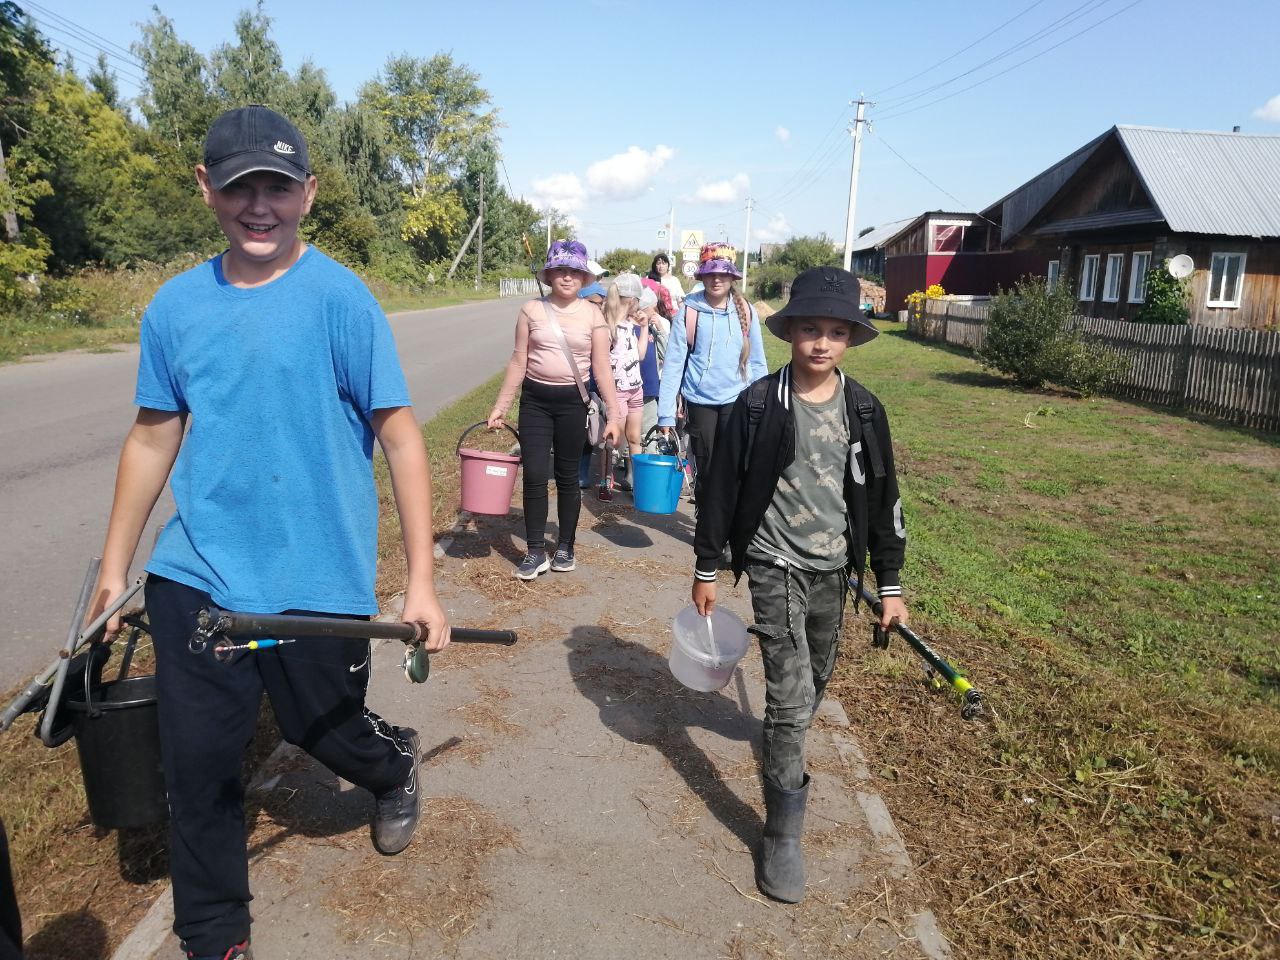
<point x="801" y="170"/>
<point x="1089" y="6"/>
<point x="956" y="93"/>
<point x="75" y="26"/>
<point x="935" y="66"/>
<point x="60" y="40"/>
<point x="833" y="154"/>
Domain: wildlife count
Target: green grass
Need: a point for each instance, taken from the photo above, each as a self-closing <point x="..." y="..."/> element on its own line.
<point x="1108" y="574"/>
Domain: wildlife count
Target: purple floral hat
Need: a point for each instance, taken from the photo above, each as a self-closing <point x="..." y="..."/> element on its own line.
<point x="718" y="258"/>
<point x="570" y="254"/>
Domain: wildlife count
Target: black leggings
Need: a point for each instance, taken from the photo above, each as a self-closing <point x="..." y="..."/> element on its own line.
<point x="702" y="424"/>
<point x="552" y="418"/>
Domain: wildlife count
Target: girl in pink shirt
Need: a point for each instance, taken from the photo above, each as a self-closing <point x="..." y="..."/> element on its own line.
<point x="628" y="346"/>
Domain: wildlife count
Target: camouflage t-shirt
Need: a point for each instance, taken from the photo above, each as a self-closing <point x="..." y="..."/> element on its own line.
<point x="805" y="522"/>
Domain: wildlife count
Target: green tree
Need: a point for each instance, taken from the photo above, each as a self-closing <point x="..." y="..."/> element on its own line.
<point x="25" y="69"/>
<point x="435" y="110"/>
<point x="624" y="258"/>
<point x="177" y="101"/>
<point x="252" y="69"/>
<point x="103" y="80"/>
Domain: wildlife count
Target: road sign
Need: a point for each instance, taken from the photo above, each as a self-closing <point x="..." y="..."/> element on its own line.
<point x="688" y="268"/>
<point x="662" y="233"/>
<point x="691" y="242"/>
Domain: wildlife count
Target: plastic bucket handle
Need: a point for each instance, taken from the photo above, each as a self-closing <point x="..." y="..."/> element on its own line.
<point x="680" y="454"/>
<point x="476" y="426"/>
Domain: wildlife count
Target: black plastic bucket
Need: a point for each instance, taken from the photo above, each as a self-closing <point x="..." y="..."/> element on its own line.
<point x="118" y="738"/>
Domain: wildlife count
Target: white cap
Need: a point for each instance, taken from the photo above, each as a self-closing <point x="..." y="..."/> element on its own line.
<point x="628" y="285"/>
<point x="648" y="299"/>
<point x="595" y="268"/>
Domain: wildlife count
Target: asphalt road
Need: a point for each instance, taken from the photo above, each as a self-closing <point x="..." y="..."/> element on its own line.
<point x="63" y="417"/>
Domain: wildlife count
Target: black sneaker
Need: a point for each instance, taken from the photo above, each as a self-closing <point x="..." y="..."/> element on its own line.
<point x="563" y="561"/>
<point x="240" y="951"/>
<point x="534" y="563"/>
<point x="395" y="815"/>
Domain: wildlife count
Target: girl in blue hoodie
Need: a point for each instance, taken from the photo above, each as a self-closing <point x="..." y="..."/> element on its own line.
<point x="714" y="353"/>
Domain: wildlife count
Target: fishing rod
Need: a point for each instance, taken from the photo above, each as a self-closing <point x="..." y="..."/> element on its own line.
<point x="223" y="628"/>
<point x="935" y="664"/>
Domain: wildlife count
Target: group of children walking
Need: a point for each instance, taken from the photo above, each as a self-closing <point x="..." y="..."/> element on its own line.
<point x="285" y="370"/>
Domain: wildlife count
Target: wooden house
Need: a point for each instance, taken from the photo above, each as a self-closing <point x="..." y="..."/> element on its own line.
<point x="1136" y="196"/>
<point x="960" y="251"/>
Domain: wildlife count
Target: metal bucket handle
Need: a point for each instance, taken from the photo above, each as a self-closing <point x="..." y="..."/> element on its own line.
<point x="126" y="658"/>
<point x="680" y="460"/>
<point x="475" y="426"/>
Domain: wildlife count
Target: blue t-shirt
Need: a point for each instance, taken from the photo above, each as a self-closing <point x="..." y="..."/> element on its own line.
<point x="276" y="507"/>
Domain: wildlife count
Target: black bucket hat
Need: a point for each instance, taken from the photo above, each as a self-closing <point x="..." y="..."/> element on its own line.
<point x="825" y="292"/>
<point x="254" y="138"/>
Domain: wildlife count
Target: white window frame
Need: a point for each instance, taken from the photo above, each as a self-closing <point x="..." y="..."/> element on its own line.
<point x="932" y="236"/>
<point x="1238" y="293"/>
<point x="1138" y="277"/>
<point x="1053" y="274"/>
<point x="1088" y="290"/>
<point x="1111" y="279"/>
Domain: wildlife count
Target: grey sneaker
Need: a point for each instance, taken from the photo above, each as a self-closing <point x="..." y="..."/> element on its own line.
<point x="396" y="812"/>
<point x="534" y="563"/>
<point x="563" y="561"/>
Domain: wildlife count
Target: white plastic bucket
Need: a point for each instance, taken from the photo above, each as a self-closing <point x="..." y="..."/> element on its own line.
<point x="706" y="649"/>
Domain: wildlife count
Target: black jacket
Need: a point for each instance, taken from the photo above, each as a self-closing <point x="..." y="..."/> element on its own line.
<point x="742" y="481"/>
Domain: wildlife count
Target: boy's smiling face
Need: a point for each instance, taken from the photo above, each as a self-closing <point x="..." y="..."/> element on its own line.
<point x="818" y="343"/>
<point x="260" y="213"/>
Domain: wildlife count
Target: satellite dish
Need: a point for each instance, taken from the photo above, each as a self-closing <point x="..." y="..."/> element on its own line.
<point x="1181" y="266"/>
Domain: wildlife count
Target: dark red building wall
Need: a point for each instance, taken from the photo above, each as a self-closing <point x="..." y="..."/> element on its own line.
<point x="974" y="274"/>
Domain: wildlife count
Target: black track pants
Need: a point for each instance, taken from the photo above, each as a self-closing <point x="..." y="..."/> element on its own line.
<point x="703" y="423"/>
<point x="551" y="418"/>
<point x="208" y="713"/>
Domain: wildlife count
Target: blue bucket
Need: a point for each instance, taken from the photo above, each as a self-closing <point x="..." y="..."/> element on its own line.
<point x="656" y="482"/>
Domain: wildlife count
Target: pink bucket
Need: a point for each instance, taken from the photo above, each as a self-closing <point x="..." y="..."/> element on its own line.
<point x="488" y="479"/>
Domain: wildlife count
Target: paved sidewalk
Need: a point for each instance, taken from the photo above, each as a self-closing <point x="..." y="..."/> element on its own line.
<point x="578" y="801"/>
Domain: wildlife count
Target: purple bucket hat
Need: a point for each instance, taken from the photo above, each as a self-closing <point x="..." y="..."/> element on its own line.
<point x="718" y="258"/>
<point x="570" y="254"/>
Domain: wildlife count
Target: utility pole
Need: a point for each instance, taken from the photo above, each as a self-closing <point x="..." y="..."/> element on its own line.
<point x="858" y="123"/>
<point x="671" y="232"/>
<point x="480" y="244"/>
<point x="549" y="230"/>
<point x="746" y="246"/>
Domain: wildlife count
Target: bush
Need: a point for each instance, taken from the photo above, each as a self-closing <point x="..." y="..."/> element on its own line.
<point x="1029" y="338"/>
<point x="1166" y="300"/>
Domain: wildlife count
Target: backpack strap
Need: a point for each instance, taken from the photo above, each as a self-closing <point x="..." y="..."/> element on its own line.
<point x="756" y="394"/>
<point x="866" y="419"/>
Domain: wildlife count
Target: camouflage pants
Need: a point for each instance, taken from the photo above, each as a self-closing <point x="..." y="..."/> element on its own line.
<point x="797" y="614"/>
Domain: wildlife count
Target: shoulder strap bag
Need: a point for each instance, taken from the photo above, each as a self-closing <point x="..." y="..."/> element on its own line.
<point x="595" y="415"/>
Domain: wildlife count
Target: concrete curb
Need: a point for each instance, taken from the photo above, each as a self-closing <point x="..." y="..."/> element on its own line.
<point x="889" y="840"/>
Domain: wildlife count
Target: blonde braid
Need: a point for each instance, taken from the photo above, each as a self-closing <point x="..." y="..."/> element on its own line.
<point x="744" y="318"/>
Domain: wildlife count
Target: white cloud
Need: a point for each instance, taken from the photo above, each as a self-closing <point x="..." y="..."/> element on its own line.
<point x="563" y="191"/>
<point x="775" y="231"/>
<point x="723" y="191"/>
<point x="783" y="134"/>
<point x="1269" y="110"/>
<point x="626" y="175"/>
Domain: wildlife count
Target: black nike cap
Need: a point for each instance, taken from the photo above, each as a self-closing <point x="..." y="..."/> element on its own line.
<point x="254" y="138"/>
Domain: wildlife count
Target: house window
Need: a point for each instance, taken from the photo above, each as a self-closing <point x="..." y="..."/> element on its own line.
<point x="1053" y="273"/>
<point x="1226" y="280"/>
<point x="1138" y="277"/>
<point x="1088" y="277"/>
<point x="1111" y="279"/>
<point x="947" y="236"/>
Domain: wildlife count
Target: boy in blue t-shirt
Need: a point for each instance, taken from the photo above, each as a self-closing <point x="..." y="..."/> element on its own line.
<point x="285" y="368"/>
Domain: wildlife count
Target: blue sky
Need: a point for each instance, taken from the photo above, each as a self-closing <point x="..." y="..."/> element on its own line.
<point x="613" y="110"/>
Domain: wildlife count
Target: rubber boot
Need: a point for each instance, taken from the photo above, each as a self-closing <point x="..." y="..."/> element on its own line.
<point x="780" y="872"/>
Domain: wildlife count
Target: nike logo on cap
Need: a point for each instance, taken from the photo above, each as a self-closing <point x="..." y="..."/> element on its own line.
<point x="282" y="147"/>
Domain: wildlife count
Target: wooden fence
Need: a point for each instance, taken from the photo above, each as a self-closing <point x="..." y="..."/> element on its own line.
<point x="1230" y="374"/>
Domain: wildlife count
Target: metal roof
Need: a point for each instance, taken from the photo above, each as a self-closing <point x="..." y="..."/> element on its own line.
<point x="1206" y="182"/>
<point x="1101" y="221"/>
<point x="880" y="235"/>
